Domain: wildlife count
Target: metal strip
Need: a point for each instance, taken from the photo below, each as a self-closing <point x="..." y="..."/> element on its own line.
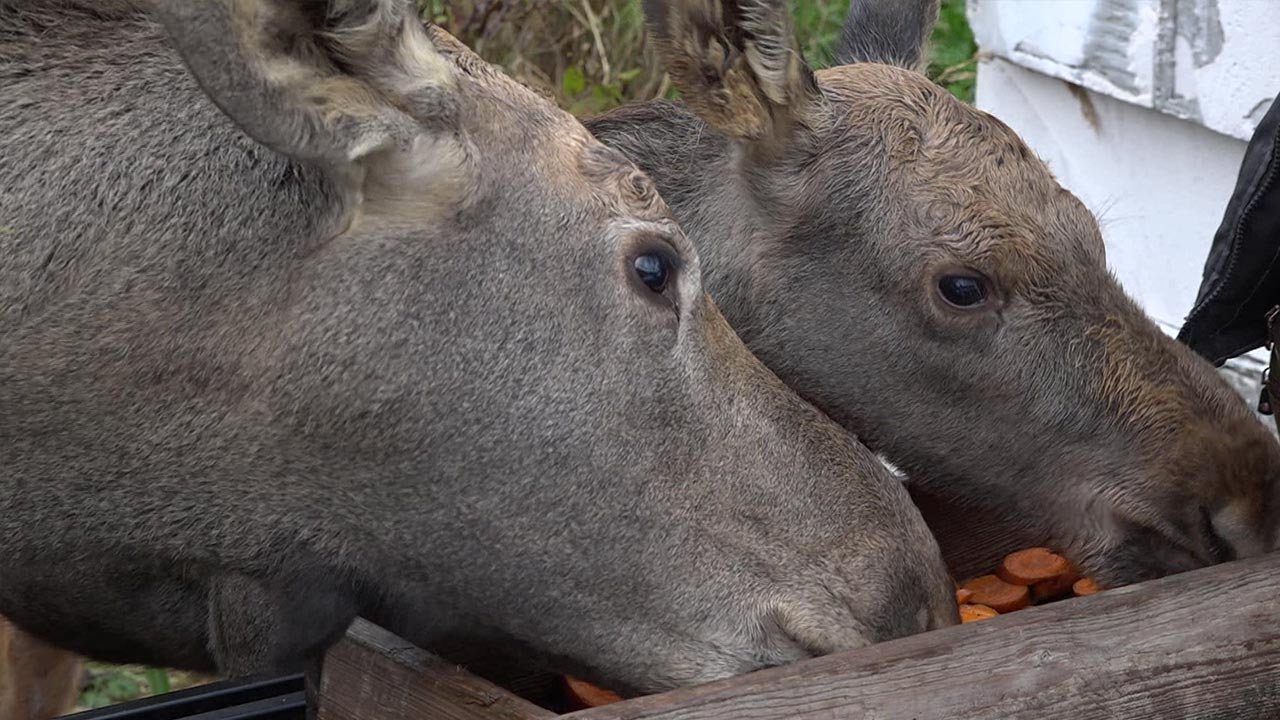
<point x="277" y="698"/>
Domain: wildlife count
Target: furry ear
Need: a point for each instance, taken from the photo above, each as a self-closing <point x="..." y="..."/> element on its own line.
<point x="329" y="80"/>
<point x="736" y="62"/>
<point x="892" y="32"/>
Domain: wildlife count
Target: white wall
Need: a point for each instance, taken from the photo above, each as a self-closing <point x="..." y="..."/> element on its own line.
<point x="1214" y="63"/>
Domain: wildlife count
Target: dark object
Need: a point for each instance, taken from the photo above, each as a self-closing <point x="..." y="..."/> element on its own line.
<point x="1269" y="392"/>
<point x="279" y="698"/>
<point x="1242" y="274"/>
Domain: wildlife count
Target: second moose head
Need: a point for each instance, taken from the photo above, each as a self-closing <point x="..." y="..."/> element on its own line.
<point x="905" y="262"/>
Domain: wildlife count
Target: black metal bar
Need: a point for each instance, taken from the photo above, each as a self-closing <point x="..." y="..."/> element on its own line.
<point x="285" y="707"/>
<point x="275" y="698"/>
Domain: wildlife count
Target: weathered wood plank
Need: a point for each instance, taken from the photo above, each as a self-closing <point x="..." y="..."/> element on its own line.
<point x="374" y="675"/>
<point x="1200" y="645"/>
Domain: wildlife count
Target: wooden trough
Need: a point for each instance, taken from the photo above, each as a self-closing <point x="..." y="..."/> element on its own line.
<point x="1203" y="644"/>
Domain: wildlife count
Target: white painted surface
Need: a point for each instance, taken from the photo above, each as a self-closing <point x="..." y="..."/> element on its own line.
<point x="1052" y="37"/>
<point x="1213" y="62"/>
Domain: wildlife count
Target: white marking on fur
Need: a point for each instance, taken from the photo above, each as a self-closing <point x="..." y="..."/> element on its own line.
<point x="412" y="187"/>
<point x="424" y="66"/>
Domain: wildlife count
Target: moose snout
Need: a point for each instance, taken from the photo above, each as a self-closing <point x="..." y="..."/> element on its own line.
<point x="1237" y="509"/>
<point x="848" y="592"/>
<point x="897" y="590"/>
<point x="1216" y="512"/>
<point x="816" y="626"/>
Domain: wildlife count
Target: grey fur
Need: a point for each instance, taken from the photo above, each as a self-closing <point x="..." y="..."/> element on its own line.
<point x="893" y="32"/>
<point x="373" y="345"/>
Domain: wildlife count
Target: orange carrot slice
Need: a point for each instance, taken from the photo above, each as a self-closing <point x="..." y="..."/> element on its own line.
<point x="997" y="594"/>
<point x="1085" y="586"/>
<point x="1054" y="589"/>
<point x="1033" y="565"/>
<point x="970" y="612"/>
<point x="583" y="695"/>
<point x="963" y="596"/>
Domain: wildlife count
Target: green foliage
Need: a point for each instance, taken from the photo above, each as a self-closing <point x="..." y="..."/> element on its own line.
<point x="818" y="24"/>
<point x="110" y="687"/>
<point x="593" y="55"/>
<point x="953" y="54"/>
<point x="589" y="55"/>
<point x="157" y="680"/>
<point x="111" y="684"/>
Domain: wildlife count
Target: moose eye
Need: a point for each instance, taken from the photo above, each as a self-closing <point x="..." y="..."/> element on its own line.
<point x="653" y="271"/>
<point x="963" y="291"/>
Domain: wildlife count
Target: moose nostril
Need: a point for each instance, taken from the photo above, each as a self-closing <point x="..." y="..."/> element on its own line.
<point x="814" y="627"/>
<point x="1220" y="550"/>
<point x="641" y="185"/>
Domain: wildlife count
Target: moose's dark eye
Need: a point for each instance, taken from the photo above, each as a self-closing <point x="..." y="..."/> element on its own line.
<point x="653" y="271"/>
<point x="963" y="291"/>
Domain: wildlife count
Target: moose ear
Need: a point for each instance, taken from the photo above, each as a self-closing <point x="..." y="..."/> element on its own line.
<point x="736" y="62"/>
<point x="323" y="80"/>
<point x="892" y="32"/>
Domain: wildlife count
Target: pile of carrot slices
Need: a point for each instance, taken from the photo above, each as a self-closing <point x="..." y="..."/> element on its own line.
<point x="1026" y="577"/>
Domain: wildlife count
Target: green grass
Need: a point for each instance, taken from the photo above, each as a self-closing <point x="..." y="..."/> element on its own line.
<point x="953" y="55"/>
<point x="818" y="27"/>
<point x="952" y="51"/>
<point x="593" y="55"/>
<point x="590" y="55"/>
<point x="110" y="684"/>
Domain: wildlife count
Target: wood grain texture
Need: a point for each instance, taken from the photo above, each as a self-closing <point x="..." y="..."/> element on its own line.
<point x="374" y="675"/>
<point x="1196" y="646"/>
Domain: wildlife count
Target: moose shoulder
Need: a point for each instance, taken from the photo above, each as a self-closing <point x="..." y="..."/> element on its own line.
<point x="903" y="261"/>
<point x="308" y="313"/>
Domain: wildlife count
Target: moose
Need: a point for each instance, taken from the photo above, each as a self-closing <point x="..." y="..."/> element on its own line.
<point x="307" y="313"/>
<point x="904" y="262"/>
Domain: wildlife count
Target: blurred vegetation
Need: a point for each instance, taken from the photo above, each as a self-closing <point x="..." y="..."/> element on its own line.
<point x="111" y="684"/>
<point x="590" y="55"/>
<point x="953" y="55"/>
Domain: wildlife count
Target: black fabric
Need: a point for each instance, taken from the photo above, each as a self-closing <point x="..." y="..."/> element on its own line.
<point x="1242" y="274"/>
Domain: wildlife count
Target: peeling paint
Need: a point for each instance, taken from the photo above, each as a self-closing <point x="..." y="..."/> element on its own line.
<point x="1175" y="101"/>
<point x="1106" y="47"/>
<point x="1209" y="62"/>
<point x="1201" y="24"/>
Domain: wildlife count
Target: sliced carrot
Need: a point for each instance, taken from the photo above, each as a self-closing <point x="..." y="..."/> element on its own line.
<point x="970" y="612"/>
<point x="963" y="595"/>
<point x="1033" y="565"/>
<point x="997" y="594"/>
<point x="1085" y="586"/>
<point x="583" y="695"/>
<point x="1054" y="589"/>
